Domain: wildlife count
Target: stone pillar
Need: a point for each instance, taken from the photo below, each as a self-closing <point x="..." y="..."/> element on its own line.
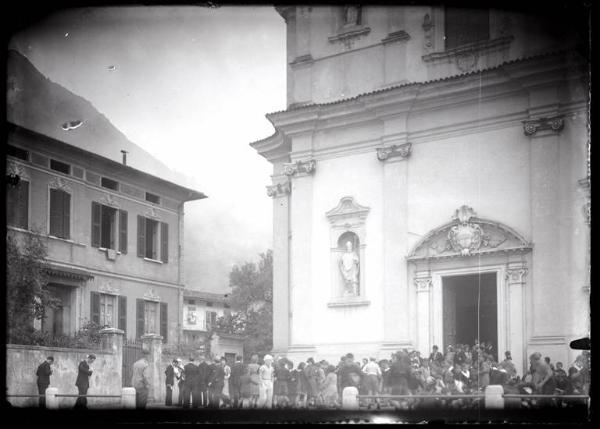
<point x="350" y="398"/>
<point x="515" y="281"/>
<point x="280" y="191"/>
<point x="112" y="341"/>
<point x="153" y="343"/>
<point x="128" y="398"/>
<point x="494" y="399"/>
<point x="424" y="320"/>
<point x="51" y="399"/>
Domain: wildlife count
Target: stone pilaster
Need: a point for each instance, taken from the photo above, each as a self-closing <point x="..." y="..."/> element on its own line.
<point x="280" y="192"/>
<point x="515" y="284"/>
<point x="153" y="343"/>
<point x="424" y="285"/>
<point x="112" y="341"/>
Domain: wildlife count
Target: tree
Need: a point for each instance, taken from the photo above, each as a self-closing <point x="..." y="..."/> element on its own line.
<point x="27" y="294"/>
<point x="252" y="300"/>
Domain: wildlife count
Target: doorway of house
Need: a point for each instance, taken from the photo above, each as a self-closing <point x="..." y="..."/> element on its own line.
<point x="470" y="309"/>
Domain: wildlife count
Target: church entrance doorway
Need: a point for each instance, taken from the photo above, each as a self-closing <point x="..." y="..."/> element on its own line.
<point x="470" y="309"/>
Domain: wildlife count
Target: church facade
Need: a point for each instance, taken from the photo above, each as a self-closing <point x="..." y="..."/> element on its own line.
<point x="430" y="184"/>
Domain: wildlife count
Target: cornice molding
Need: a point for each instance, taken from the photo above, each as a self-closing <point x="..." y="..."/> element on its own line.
<point x="396" y="36"/>
<point x="402" y="151"/>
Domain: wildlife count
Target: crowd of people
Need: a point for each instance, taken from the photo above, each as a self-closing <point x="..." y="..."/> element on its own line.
<point x="459" y="370"/>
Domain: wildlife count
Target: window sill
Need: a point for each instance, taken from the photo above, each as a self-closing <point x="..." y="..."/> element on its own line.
<point x="156" y="261"/>
<point x="104" y="249"/>
<point x="349" y="302"/>
<point x="349" y="32"/>
<point x="66" y="240"/>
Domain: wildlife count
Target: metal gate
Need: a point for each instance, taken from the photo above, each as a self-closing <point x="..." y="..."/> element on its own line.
<point x="132" y="351"/>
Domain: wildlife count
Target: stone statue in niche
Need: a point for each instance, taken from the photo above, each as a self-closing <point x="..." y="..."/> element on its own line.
<point x="351" y="15"/>
<point x="349" y="268"/>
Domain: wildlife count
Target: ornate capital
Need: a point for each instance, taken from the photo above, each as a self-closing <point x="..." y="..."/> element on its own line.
<point x="423" y="284"/>
<point x="14" y="169"/>
<point x="279" y="189"/>
<point x="516" y="274"/>
<point x="299" y="167"/>
<point x="403" y="151"/>
<point x="555" y="123"/>
<point x="60" y="184"/>
<point x="151" y="295"/>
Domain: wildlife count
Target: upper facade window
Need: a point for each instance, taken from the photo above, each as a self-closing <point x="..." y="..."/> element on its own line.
<point x="60" y="213"/>
<point x="17" y="152"/>
<point x="60" y="166"/>
<point x="153" y="239"/>
<point x="109" y="183"/>
<point x="464" y="26"/>
<point x="17" y="204"/>
<point x="155" y="199"/>
<point x="109" y="226"/>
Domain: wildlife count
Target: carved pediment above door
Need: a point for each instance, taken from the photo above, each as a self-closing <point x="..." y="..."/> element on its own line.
<point x="468" y="235"/>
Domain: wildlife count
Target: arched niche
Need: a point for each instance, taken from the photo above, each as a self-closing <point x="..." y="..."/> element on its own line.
<point x="347" y="224"/>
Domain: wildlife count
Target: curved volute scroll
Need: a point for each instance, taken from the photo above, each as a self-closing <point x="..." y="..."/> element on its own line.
<point x="468" y="235"/>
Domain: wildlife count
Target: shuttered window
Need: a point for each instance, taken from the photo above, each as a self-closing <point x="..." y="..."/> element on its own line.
<point x="464" y="25"/>
<point x="60" y="210"/>
<point x="123" y="314"/>
<point x="164" y="331"/>
<point x="152" y="239"/>
<point x="17" y="205"/>
<point x="104" y="227"/>
<point x="95" y="307"/>
<point x="139" y="318"/>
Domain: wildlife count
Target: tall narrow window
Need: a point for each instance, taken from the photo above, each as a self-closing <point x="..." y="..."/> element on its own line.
<point x="17" y="205"/>
<point x="104" y="227"/>
<point x="153" y="239"/>
<point x="60" y="212"/>
<point x="465" y="26"/>
<point x="164" y="325"/>
<point x="123" y="314"/>
<point x="107" y="310"/>
<point x="150" y="313"/>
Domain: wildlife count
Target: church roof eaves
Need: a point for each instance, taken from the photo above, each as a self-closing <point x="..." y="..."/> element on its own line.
<point x="408" y="84"/>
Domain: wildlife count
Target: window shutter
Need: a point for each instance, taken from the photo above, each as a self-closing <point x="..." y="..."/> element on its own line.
<point x="66" y="215"/>
<point x="23" y="221"/>
<point x="122" y="322"/>
<point x="207" y="321"/>
<point x="96" y="216"/>
<point x="139" y="329"/>
<point x="164" y="332"/>
<point x="141" y="236"/>
<point x="122" y="231"/>
<point x="95" y="307"/>
<point x="17" y="205"/>
<point x="164" y="242"/>
<point x="56" y="207"/>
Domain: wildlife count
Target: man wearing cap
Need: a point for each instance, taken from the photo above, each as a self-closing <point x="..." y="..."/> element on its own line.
<point x="83" y="380"/>
<point x="43" y="379"/>
<point x="265" y="386"/>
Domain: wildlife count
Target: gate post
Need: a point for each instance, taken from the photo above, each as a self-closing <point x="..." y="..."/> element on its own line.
<point x="494" y="397"/>
<point x="350" y="398"/>
<point x="153" y="343"/>
<point x="128" y="398"/>
<point x="51" y="399"/>
<point x="112" y="341"/>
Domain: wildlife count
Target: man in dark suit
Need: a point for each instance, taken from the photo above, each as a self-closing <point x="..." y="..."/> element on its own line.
<point x="204" y="370"/>
<point x="83" y="380"/>
<point x="216" y="382"/>
<point x="43" y="379"/>
<point x="169" y="382"/>
<point x="190" y="378"/>
<point x="235" y="383"/>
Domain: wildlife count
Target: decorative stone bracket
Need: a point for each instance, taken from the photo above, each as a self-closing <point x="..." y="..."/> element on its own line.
<point x="555" y="123"/>
<point x="299" y="167"/>
<point x="403" y="151"/>
<point x="423" y="284"/>
<point x="396" y="36"/>
<point x="279" y="189"/>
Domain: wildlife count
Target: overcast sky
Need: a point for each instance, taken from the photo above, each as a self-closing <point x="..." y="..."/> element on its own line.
<point x="191" y="85"/>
